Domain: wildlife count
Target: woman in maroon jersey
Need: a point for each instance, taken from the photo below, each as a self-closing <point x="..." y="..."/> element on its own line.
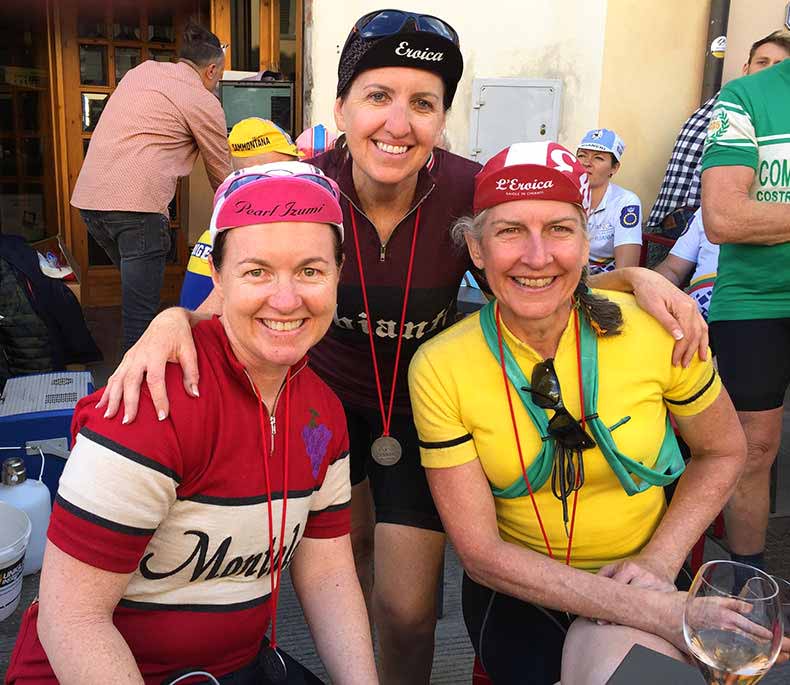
<point x="397" y="76"/>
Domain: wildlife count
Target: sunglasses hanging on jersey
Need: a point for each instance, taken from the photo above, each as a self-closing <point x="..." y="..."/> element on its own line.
<point x="570" y="437"/>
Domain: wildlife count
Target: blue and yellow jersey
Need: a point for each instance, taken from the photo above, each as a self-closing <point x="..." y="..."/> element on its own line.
<point x="197" y="280"/>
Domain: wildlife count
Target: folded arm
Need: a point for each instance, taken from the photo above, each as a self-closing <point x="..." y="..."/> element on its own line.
<point x="730" y="215"/>
<point x="466" y="505"/>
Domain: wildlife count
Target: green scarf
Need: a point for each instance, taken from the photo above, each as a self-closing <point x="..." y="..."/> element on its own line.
<point x="669" y="464"/>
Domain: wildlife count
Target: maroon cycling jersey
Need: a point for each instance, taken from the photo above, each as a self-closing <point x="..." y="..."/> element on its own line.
<point x="343" y="359"/>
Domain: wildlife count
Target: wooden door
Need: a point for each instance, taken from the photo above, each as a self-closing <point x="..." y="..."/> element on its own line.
<point x="101" y="41"/>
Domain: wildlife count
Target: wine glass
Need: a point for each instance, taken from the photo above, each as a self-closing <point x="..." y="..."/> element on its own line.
<point x="733" y="623"/>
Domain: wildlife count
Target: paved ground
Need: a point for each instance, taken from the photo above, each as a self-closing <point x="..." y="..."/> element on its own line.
<point x="453" y="660"/>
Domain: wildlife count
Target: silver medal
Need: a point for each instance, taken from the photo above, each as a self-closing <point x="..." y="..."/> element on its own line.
<point x="386" y="450"/>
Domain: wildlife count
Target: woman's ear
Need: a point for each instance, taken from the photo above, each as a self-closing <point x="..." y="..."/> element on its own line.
<point x="340" y="120"/>
<point x="215" y="279"/>
<point x="473" y="245"/>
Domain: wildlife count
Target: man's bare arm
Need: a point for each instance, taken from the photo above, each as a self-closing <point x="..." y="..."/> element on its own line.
<point x="730" y="215"/>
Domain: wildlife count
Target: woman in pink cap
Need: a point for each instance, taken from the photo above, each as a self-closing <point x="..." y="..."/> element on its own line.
<point x="397" y="76"/>
<point x="544" y="429"/>
<point x="169" y="537"/>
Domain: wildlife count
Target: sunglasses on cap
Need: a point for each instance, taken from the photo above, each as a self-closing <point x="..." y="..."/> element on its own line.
<point x="249" y="178"/>
<point x="383" y="23"/>
<point x="567" y="474"/>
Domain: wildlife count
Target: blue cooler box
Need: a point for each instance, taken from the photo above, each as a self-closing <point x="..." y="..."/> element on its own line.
<point x="36" y="412"/>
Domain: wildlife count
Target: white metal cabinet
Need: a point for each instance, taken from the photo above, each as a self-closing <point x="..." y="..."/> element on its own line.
<point x="512" y="110"/>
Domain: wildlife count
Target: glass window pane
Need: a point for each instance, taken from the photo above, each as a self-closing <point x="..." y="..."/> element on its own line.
<point x="32" y="158"/>
<point x="93" y="65"/>
<point x="288" y="39"/>
<point x="91" y="22"/>
<point x="92" y="107"/>
<point x="245" y="22"/>
<point x="162" y="55"/>
<point x="85" y="143"/>
<point x="160" y="25"/>
<point x="23" y="213"/>
<point x="125" y="59"/>
<point x="29" y="110"/>
<point x="7" y="157"/>
<point x="126" y="20"/>
<point x="6" y="112"/>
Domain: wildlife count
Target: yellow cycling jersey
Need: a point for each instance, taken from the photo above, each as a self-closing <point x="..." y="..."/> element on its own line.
<point x="461" y="412"/>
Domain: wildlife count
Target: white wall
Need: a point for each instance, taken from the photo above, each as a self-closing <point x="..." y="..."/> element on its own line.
<point x="562" y="39"/>
<point x="749" y="21"/>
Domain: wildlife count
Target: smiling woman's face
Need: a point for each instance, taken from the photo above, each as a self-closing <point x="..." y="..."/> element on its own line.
<point x="392" y="117"/>
<point x="278" y="284"/>
<point x="533" y="253"/>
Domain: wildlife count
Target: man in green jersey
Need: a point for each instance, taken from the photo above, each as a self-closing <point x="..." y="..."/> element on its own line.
<point x="746" y="209"/>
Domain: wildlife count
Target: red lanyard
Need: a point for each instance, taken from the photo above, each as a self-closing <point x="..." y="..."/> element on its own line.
<point x="386" y="417"/>
<point x="274" y="585"/>
<point x="518" y="442"/>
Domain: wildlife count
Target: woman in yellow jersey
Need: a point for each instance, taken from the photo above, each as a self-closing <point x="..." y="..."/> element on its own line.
<point x="559" y="514"/>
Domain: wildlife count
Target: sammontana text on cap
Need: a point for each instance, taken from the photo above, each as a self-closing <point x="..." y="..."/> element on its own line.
<point x="396" y="38"/>
<point x="255" y="136"/>
<point x="276" y="192"/>
<point x="603" y="140"/>
<point x="532" y="171"/>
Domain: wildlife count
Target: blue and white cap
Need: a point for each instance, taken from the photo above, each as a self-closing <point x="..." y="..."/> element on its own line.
<point x="605" y="140"/>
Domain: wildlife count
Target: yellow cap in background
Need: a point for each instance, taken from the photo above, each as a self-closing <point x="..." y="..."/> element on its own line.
<point x="256" y="136"/>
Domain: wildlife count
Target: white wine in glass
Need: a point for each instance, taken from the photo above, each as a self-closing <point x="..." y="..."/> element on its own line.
<point x="733" y="623"/>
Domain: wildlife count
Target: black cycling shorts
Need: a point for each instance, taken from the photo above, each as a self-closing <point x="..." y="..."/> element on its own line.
<point x="753" y="357"/>
<point x="400" y="492"/>
<point x="518" y="642"/>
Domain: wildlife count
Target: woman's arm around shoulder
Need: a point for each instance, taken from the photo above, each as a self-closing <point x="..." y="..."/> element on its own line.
<point x="168" y="338"/>
<point x="672" y="308"/>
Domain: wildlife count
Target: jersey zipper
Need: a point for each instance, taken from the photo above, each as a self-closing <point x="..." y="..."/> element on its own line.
<point x="383" y="244"/>
<point x="273" y="412"/>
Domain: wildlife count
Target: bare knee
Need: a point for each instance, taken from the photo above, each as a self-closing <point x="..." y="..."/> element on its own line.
<point x="761" y="451"/>
<point x="592" y="653"/>
<point x="404" y="614"/>
<point x="763" y="432"/>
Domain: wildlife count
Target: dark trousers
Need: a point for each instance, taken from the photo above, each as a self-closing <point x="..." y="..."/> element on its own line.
<point x="138" y="244"/>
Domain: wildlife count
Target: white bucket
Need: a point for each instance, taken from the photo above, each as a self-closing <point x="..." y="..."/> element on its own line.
<point x="14" y="533"/>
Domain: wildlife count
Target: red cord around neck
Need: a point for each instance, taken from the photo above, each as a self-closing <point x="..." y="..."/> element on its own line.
<point x="275" y="574"/>
<point x="386" y="416"/>
<point x="518" y="441"/>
